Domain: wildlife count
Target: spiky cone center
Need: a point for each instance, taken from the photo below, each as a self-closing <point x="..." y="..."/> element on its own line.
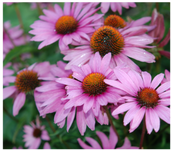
<point x="37" y="132"/>
<point x="115" y="21"/>
<point x="66" y="25"/>
<point x="93" y="84"/>
<point x="148" y="97"/>
<point x="107" y="39"/>
<point x="26" y="81"/>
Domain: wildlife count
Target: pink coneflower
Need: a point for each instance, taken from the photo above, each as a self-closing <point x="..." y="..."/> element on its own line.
<point x="25" y="82"/>
<point x="34" y="134"/>
<point x="158" y="33"/>
<point x="11" y="37"/>
<point x="7" y="78"/>
<point x="121" y="43"/>
<point x="88" y="92"/>
<point x="144" y="98"/>
<point x="52" y="98"/>
<point x="48" y="96"/>
<point x="72" y="23"/>
<point x="106" y="143"/>
<point x="116" y="6"/>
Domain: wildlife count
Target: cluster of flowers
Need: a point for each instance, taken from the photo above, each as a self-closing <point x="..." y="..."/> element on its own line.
<point x="99" y="74"/>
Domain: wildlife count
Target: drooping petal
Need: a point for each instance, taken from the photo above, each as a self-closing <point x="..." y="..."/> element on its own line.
<point x="148" y="122"/>
<point x="8" y="91"/>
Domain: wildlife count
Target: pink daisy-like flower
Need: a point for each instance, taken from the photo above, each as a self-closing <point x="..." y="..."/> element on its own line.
<point x="121" y="43"/>
<point x="158" y="33"/>
<point x="88" y="92"/>
<point x="48" y="96"/>
<point x="7" y="78"/>
<point x="116" y="6"/>
<point x="34" y="134"/>
<point x="72" y="23"/>
<point x="26" y="81"/>
<point x="15" y="38"/>
<point x="144" y="98"/>
<point x="106" y="143"/>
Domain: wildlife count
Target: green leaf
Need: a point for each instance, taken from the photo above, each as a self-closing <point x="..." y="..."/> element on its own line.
<point x="18" y="51"/>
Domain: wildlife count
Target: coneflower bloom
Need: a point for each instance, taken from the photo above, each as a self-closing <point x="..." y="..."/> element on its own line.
<point x="106" y="143"/>
<point x="26" y="81"/>
<point x="88" y="92"/>
<point x="72" y="23"/>
<point x="12" y="36"/>
<point x="7" y="75"/>
<point x="158" y="33"/>
<point x="48" y="97"/>
<point x="116" y="6"/>
<point x="34" y="134"/>
<point x="120" y="43"/>
<point x="144" y="98"/>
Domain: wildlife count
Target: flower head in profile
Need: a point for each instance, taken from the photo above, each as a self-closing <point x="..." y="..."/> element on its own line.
<point x="145" y="98"/>
<point x="116" y="6"/>
<point x="34" y="134"/>
<point x="121" y="44"/>
<point x="73" y="23"/>
<point x="88" y="93"/>
<point x="12" y="36"/>
<point x="158" y="33"/>
<point x="106" y="143"/>
<point x="25" y="82"/>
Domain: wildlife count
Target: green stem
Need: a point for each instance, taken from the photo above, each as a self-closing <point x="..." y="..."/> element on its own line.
<point x="39" y="9"/>
<point x="53" y="129"/>
<point x="111" y="122"/>
<point x="20" y="20"/>
<point x="157" y="7"/>
<point x="11" y="116"/>
<point x="142" y="134"/>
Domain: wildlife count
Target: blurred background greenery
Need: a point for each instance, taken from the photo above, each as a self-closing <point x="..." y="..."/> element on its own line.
<point x="13" y="126"/>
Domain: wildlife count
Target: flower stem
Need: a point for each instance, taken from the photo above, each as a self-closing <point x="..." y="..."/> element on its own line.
<point x="142" y="134"/>
<point x="11" y="116"/>
<point x="53" y="129"/>
<point x="39" y="9"/>
<point x="111" y="122"/>
<point x="20" y="20"/>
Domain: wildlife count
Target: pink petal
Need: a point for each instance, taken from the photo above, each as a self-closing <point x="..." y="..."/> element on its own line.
<point x="83" y="145"/>
<point x="165" y="94"/>
<point x="165" y="86"/>
<point x="80" y="120"/>
<point x="157" y="80"/>
<point x="70" y="118"/>
<point x="90" y="120"/>
<point x="166" y="39"/>
<point x="155" y="122"/>
<point x="8" y="91"/>
<point x="67" y="6"/>
<point x="18" y="103"/>
<point x="104" y="7"/>
<point x="126" y="145"/>
<point x="46" y="146"/>
<point x="104" y="140"/>
<point x="146" y="78"/>
<point x="45" y="135"/>
<point x="137" y="119"/>
<point x="58" y="10"/>
<point x="113" y="139"/>
<point x="122" y="108"/>
<point x="78" y="9"/>
<point x="88" y="104"/>
<point x="148" y="122"/>
<point x="93" y="143"/>
<point x="68" y="81"/>
<point x="165" y="102"/>
<point x="35" y="143"/>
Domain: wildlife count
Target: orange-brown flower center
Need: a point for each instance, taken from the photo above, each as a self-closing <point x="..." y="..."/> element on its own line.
<point x="66" y="25"/>
<point x="115" y="21"/>
<point x="26" y="81"/>
<point x="148" y="97"/>
<point x="107" y="39"/>
<point x="37" y="132"/>
<point x="93" y="84"/>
